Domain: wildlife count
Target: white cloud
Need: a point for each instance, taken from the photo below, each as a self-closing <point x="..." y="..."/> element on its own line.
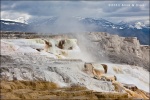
<point x="96" y="9"/>
<point x="15" y="16"/>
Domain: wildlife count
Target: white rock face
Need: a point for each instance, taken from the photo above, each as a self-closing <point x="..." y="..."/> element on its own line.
<point x="21" y="61"/>
<point x="122" y="49"/>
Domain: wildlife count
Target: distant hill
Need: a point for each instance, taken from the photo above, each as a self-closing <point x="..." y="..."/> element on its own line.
<point x="133" y="29"/>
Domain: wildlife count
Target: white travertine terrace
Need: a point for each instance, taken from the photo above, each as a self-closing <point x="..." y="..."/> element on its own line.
<point x="62" y="66"/>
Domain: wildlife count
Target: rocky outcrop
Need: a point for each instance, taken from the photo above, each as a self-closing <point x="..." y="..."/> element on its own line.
<point x="125" y="50"/>
<point x="47" y="45"/>
<point x="97" y="73"/>
<point x="133" y="91"/>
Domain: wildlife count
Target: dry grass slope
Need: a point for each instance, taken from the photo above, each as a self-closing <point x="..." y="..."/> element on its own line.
<point x="48" y="90"/>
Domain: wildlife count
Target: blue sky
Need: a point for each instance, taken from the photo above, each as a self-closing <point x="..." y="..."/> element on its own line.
<point x="30" y="10"/>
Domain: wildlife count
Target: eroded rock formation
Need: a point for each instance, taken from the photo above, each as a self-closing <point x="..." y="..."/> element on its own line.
<point x="125" y="50"/>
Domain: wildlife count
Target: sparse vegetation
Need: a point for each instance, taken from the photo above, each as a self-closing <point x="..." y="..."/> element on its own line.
<point x="48" y="90"/>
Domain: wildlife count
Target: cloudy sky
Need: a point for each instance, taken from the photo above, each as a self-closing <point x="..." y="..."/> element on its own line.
<point x="114" y="11"/>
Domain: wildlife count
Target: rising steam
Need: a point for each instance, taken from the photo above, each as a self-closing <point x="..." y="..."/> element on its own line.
<point x="90" y="52"/>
